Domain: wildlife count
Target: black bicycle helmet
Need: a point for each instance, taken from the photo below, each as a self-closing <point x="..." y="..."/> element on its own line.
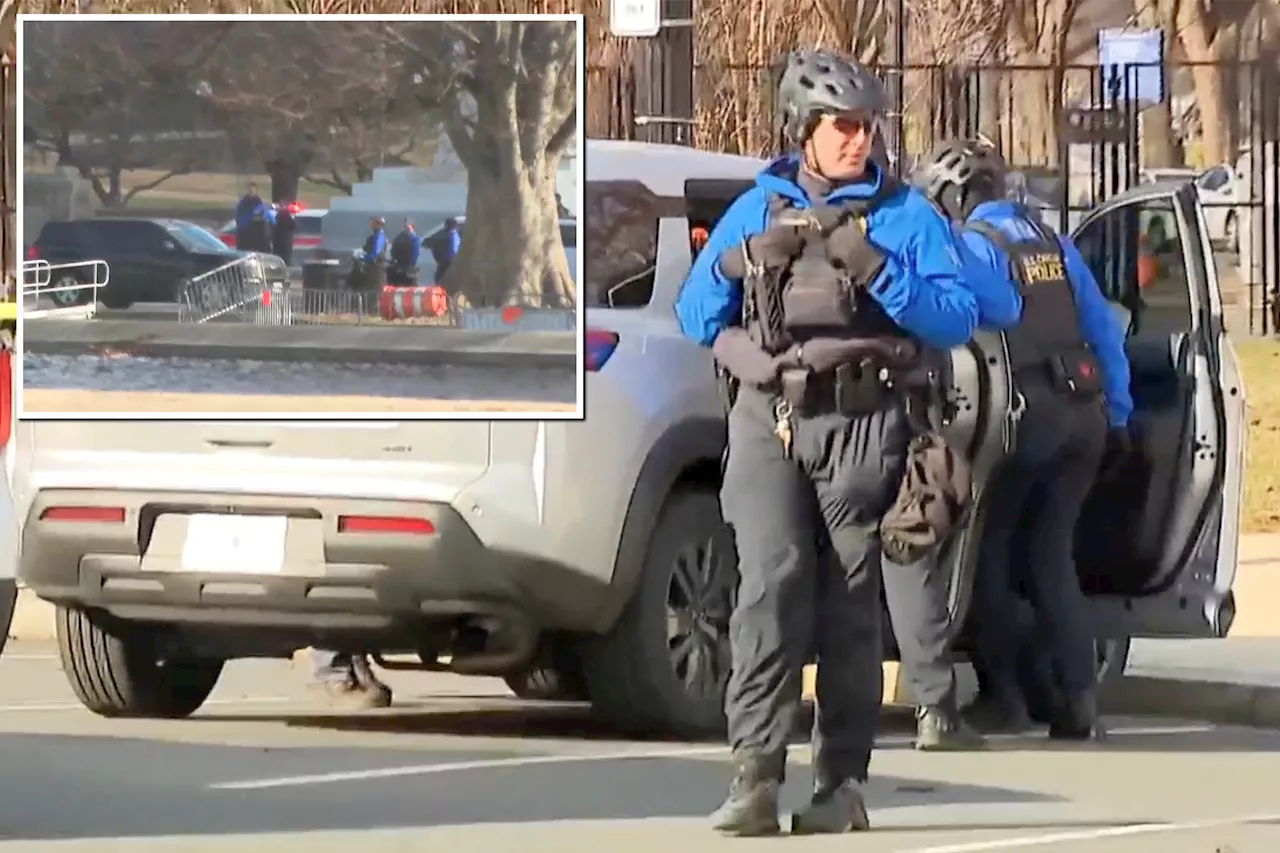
<point x="961" y="174"/>
<point x="816" y="82"/>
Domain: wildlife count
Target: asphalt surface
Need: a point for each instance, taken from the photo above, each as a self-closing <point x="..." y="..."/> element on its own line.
<point x="459" y="765"/>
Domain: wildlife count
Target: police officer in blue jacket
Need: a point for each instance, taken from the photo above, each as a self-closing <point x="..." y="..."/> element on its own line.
<point x="918" y="594"/>
<point x="254" y="222"/>
<point x="1069" y="365"/>
<point x="812" y="288"/>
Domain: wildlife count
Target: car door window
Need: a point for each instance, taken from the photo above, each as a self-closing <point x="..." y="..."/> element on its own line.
<point x="132" y="238"/>
<point x="1137" y="255"/>
<point x="621" y="223"/>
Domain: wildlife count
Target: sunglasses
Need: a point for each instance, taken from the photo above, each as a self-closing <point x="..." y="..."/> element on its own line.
<point x="852" y="123"/>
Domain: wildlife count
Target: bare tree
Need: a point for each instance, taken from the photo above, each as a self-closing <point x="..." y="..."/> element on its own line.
<point x="508" y="91"/>
<point x="310" y="98"/>
<point x="97" y="95"/>
<point x="1035" y="46"/>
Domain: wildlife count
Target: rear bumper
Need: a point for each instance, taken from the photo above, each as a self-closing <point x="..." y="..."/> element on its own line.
<point x="330" y="580"/>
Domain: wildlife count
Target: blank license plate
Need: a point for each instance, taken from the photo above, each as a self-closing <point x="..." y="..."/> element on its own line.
<point x="235" y="544"/>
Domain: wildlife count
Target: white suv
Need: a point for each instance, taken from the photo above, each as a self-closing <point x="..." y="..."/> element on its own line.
<point x="589" y="553"/>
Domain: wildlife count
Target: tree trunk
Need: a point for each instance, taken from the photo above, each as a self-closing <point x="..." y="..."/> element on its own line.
<point x="1207" y="82"/>
<point x="1036" y="96"/>
<point x="511" y="251"/>
<point x="1158" y="148"/>
<point x="285" y="175"/>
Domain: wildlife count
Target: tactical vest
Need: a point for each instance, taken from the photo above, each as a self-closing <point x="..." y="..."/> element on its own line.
<point x="1047" y="338"/>
<point x="762" y="304"/>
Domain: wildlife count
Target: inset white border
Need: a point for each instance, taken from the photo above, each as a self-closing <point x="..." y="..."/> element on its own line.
<point x="579" y="412"/>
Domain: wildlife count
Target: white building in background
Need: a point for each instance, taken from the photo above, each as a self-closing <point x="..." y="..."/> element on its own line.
<point x="426" y="194"/>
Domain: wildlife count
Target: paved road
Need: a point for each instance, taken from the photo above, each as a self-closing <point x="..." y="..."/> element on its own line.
<point x="458" y="765"/>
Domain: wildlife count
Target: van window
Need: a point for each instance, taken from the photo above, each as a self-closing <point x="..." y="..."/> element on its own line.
<point x="620" y="221"/>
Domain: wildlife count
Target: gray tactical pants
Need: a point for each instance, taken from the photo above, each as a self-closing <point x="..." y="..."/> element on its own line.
<point x="918" y="596"/>
<point x="807" y="534"/>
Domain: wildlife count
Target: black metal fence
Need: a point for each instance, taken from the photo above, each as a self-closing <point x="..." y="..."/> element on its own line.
<point x="1077" y="134"/>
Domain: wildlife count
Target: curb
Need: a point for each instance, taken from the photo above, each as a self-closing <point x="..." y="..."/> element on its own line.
<point x="1209" y="701"/>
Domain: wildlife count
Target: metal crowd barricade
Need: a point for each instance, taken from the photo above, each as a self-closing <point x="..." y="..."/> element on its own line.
<point x="42" y="280"/>
<point x="233" y="291"/>
<point x="313" y="307"/>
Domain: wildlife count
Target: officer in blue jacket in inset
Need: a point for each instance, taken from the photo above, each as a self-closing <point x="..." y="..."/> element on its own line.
<point x="254" y="221"/>
<point x="1069" y="365"/>
<point x="812" y="289"/>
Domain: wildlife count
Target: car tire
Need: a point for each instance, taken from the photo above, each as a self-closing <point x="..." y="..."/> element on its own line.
<point x="71" y="298"/>
<point x="632" y="677"/>
<point x="115" y="671"/>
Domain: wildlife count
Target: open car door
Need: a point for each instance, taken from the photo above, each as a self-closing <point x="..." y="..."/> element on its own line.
<point x="1157" y="542"/>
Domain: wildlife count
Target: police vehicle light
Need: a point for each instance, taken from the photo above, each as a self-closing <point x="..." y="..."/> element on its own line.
<point x="599" y="346"/>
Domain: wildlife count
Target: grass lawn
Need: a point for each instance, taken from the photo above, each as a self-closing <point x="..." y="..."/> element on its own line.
<point x="212" y="191"/>
<point x="1260" y="362"/>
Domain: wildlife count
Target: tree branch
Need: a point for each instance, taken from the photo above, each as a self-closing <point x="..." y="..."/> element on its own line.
<point x="184" y="169"/>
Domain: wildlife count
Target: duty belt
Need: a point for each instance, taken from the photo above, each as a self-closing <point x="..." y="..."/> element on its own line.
<point x="852" y="377"/>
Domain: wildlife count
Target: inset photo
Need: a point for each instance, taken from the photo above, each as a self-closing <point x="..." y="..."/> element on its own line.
<point x="278" y="217"/>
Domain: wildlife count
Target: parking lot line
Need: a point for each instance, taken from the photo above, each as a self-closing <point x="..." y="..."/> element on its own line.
<point x="619" y="755"/>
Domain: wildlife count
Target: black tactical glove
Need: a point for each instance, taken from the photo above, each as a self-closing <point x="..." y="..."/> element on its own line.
<point x="849" y="248"/>
<point x="777" y="246"/>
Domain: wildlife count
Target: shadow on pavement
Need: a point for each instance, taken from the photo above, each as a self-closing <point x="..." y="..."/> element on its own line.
<point x="490" y="717"/>
<point x="93" y="787"/>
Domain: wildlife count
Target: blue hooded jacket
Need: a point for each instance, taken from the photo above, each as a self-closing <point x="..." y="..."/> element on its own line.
<point x="1098" y="325"/>
<point x="251" y="207"/>
<point x="920" y="286"/>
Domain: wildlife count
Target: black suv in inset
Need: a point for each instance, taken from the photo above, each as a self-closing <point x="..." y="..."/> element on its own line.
<point x="150" y="260"/>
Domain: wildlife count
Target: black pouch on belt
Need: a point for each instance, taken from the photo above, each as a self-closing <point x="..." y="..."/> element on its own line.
<point x="1076" y="374"/>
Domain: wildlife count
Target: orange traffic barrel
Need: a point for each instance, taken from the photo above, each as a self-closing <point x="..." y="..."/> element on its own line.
<point x="403" y="303"/>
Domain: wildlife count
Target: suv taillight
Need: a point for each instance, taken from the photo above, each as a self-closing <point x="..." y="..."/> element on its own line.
<point x="599" y="346"/>
<point x="33" y="253"/>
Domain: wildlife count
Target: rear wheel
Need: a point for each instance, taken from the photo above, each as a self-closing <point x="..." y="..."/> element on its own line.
<point x="664" y="665"/>
<point x="115" y="671"/>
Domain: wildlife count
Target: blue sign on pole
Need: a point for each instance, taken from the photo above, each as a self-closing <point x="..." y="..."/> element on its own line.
<point x="1133" y="65"/>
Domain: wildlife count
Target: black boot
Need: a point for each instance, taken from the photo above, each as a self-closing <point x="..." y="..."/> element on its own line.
<point x="990" y="714"/>
<point x="752" y="805"/>
<point x="1076" y="718"/>
<point x="837" y="807"/>
<point x="940" y="728"/>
